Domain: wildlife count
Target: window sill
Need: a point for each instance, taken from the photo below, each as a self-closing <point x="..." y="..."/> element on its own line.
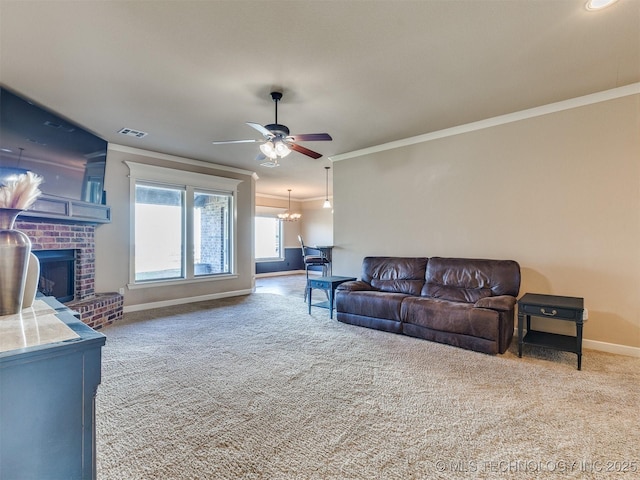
<point x="182" y="281"/>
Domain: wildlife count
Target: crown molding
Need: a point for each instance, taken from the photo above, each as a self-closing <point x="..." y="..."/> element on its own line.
<point x="317" y="199"/>
<point x="277" y="197"/>
<point x="177" y="159"/>
<point x="631" y="89"/>
<point x="299" y="200"/>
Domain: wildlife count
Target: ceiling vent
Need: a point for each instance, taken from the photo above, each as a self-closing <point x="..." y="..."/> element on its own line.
<point x="130" y="132"/>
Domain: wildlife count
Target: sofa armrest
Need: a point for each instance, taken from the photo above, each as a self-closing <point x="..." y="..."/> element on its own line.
<point x="355" y="286"/>
<point x="502" y="303"/>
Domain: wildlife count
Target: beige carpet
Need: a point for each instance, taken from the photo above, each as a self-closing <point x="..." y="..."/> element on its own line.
<point x="255" y="388"/>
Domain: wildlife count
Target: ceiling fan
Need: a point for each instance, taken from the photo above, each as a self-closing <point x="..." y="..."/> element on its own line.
<point x="278" y="143"/>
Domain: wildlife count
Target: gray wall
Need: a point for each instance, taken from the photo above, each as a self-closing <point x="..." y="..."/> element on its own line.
<point x="559" y="193"/>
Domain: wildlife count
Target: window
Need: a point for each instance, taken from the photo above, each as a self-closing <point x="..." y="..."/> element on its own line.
<point x="211" y="233"/>
<point x="268" y="240"/>
<point x="159" y="232"/>
<point x="182" y="225"/>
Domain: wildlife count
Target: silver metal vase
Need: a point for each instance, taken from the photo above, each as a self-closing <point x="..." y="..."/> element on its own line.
<point x="15" y="247"/>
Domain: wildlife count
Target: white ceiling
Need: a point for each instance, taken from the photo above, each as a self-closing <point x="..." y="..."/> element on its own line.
<point x="367" y="72"/>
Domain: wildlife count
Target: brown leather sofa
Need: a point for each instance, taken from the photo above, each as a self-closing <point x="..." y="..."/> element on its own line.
<point x="464" y="302"/>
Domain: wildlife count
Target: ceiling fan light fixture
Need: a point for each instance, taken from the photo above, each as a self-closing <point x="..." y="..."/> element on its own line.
<point x="269" y="150"/>
<point x="275" y="149"/>
<point x="281" y="148"/>
<point x="278" y="143"/>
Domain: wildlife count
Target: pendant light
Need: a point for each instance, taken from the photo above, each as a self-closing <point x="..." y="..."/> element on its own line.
<point x="287" y="216"/>
<point x="327" y="203"/>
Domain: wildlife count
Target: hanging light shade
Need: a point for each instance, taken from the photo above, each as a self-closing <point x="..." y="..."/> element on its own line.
<point x="275" y="149"/>
<point x="269" y="150"/>
<point x="282" y="150"/>
<point x="327" y="203"/>
<point x="287" y="216"/>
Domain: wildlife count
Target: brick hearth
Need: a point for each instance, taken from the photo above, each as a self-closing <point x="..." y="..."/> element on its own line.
<point x="95" y="309"/>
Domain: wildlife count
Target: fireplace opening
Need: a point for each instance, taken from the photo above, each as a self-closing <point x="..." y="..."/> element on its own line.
<point x="57" y="273"/>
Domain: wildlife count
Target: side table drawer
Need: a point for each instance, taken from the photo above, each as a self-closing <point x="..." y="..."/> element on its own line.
<point x="318" y="284"/>
<point x="551" y="312"/>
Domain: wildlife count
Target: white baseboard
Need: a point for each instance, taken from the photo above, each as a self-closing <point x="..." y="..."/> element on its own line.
<point x="181" y="301"/>
<point x="278" y="274"/>
<point x="611" y="348"/>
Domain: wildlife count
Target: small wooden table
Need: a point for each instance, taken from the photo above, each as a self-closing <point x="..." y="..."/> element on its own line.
<point x="328" y="284"/>
<point x="556" y="307"/>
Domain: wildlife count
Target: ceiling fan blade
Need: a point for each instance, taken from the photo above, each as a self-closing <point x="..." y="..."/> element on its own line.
<point x="303" y="150"/>
<point x="267" y="133"/>
<point x="221" y="142"/>
<point x="310" y="137"/>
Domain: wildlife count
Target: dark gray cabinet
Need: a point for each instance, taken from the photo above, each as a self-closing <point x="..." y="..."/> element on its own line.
<point x="47" y="406"/>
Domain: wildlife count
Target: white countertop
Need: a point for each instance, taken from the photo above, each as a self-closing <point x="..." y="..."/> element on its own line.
<point x="36" y="325"/>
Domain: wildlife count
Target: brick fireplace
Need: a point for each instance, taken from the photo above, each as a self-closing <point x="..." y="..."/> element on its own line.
<point x="95" y="309"/>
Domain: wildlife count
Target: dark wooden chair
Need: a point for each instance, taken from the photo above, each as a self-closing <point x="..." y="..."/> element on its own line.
<point x="312" y="257"/>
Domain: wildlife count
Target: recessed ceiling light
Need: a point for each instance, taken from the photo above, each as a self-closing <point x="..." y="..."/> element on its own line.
<point x="599" y="4"/>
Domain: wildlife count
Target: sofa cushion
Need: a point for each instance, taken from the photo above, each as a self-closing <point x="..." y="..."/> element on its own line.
<point x="503" y="303"/>
<point x="469" y="280"/>
<point x="354" y="286"/>
<point x="451" y="317"/>
<point x="395" y="274"/>
<point x="377" y="304"/>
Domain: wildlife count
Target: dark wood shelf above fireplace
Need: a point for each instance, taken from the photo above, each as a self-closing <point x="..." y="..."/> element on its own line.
<point x="50" y="206"/>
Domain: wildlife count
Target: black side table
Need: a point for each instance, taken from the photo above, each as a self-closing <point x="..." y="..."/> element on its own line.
<point x="329" y="284"/>
<point x="556" y="307"/>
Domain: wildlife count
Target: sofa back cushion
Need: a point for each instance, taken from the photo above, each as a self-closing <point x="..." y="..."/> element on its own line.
<point x="395" y="274"/>
<point x="468" y="279"/>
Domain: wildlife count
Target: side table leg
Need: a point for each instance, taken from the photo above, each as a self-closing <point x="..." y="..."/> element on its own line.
<point x="520" y="328"/>
<point x="331" y="292"/>
<point x="579" y="361"/>
<point x="579" y="340"/>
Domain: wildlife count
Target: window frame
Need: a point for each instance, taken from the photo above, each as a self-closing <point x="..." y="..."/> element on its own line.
<point x="191" y="182"/>
<point x="280" y="258"/>
<point x="183" y="233"/>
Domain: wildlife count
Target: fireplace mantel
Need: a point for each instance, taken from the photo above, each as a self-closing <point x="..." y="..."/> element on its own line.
<point x="76" y="211"/>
